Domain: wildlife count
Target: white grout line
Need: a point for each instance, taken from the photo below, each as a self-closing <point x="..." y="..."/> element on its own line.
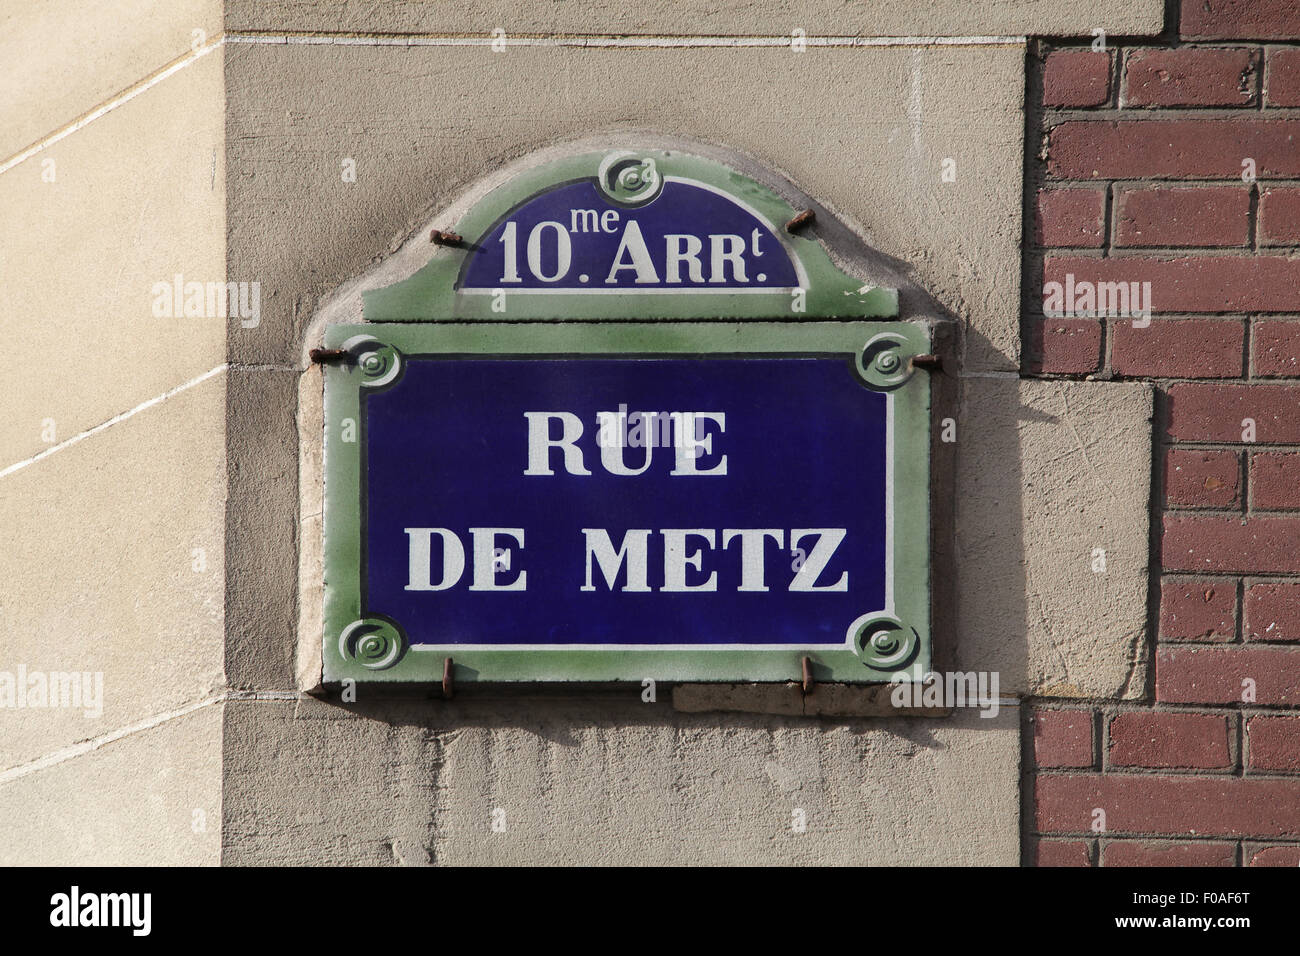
<point x="112" y="104"/>
<point x="627" y="41"/>
<point x="87" y="746"/>
<point x="260" y="695"/>
<point x="156" y="400"/>
<point x="239" y="367"/>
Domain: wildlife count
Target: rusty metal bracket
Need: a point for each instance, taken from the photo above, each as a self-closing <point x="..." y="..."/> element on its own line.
<point x="320" y="356"/>
<point x="440" y="238"/>
<point x="808" y="682"/>
<point x="802" y="219"/>
<point x="448" y="680"/>
<point x="927" y="361"/>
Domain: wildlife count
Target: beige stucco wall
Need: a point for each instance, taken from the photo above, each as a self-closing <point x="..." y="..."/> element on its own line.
<point x="1049" y="474"/>
<point x="865" y="131"/>
<point x="112" y="445"/>
<point x="64" y="60"/>
<point x="612" y="781"/>
<point x="818" y="18"/>
<point x="174" y="435"/>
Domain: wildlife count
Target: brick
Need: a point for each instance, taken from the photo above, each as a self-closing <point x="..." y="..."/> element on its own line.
<point x="1187" y="283"/>
<point x="1282" y="78"/>
<point x="1144" y="853"/>
<point x="1173" y="149"/>
<point x="1200" y="478"/>
<point x="1063" y="738"/>
<point x="1193" y="348"/>
<point x="1204" y="412"/>
<point x="1214" y="675"/>
<point x="1240" y="20"/>
<point x="1061" y="853"/>
<point x="1192" y="76"/>
<point x="1177" y="805"/>
<point x="1169" y="741"/>
<point x="1212" y="543"/>
<point x="1198" y="609"/>
<point x="1071" y="217"/>
<point x="1186" y="216"/>
<point x="1275" y="481"/>
<point x="1276" y="347"/>
<point x="1275" y="856"/>
<point x="1076" y="78"/>
<point x="1273" y="743"/>
<point x="1279" y="216"/>
<point x="1063" y="346"/>
<point x="1272" y="612"/>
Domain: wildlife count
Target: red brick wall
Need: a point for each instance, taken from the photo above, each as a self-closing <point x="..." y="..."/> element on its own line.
<point x="1140" y="179"/>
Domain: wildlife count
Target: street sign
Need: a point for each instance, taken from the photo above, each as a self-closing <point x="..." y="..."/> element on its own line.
<point x="629" y="235"/>
<point x="684" y="502"/>
<point x="633" y="493"/>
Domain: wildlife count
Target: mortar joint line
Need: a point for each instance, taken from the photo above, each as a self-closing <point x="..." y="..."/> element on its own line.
<point x="83" y="747"/>
<point x="120" y="417"/>
<point x="112" y="103"/>
<point x="363" y="38"/>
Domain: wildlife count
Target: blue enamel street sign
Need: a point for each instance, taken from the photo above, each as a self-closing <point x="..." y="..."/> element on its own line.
<point x="590" y="501"/>
<point x="622" y="499"/>
<point x="629" y="235"/>
<point x="674" y="501"/>
<point x="576" y="238"/>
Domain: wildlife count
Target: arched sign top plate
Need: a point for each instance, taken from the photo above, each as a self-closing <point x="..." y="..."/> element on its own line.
<point x="621" y="234"/>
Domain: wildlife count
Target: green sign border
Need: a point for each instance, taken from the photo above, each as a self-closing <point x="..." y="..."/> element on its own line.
<point x="430" y="294"/>
<point x="374" y="649"/>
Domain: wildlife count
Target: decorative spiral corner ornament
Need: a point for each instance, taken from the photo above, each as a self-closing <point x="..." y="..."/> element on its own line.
<point x="373" y="642"/>
<point x="379" y="363"/>
<point x="629" y="179"/>
<point x="883" y="363"/>
<point x="884" y="642"/>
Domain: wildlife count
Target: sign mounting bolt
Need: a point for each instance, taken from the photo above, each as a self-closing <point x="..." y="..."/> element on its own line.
<point x="798" y="222"/>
